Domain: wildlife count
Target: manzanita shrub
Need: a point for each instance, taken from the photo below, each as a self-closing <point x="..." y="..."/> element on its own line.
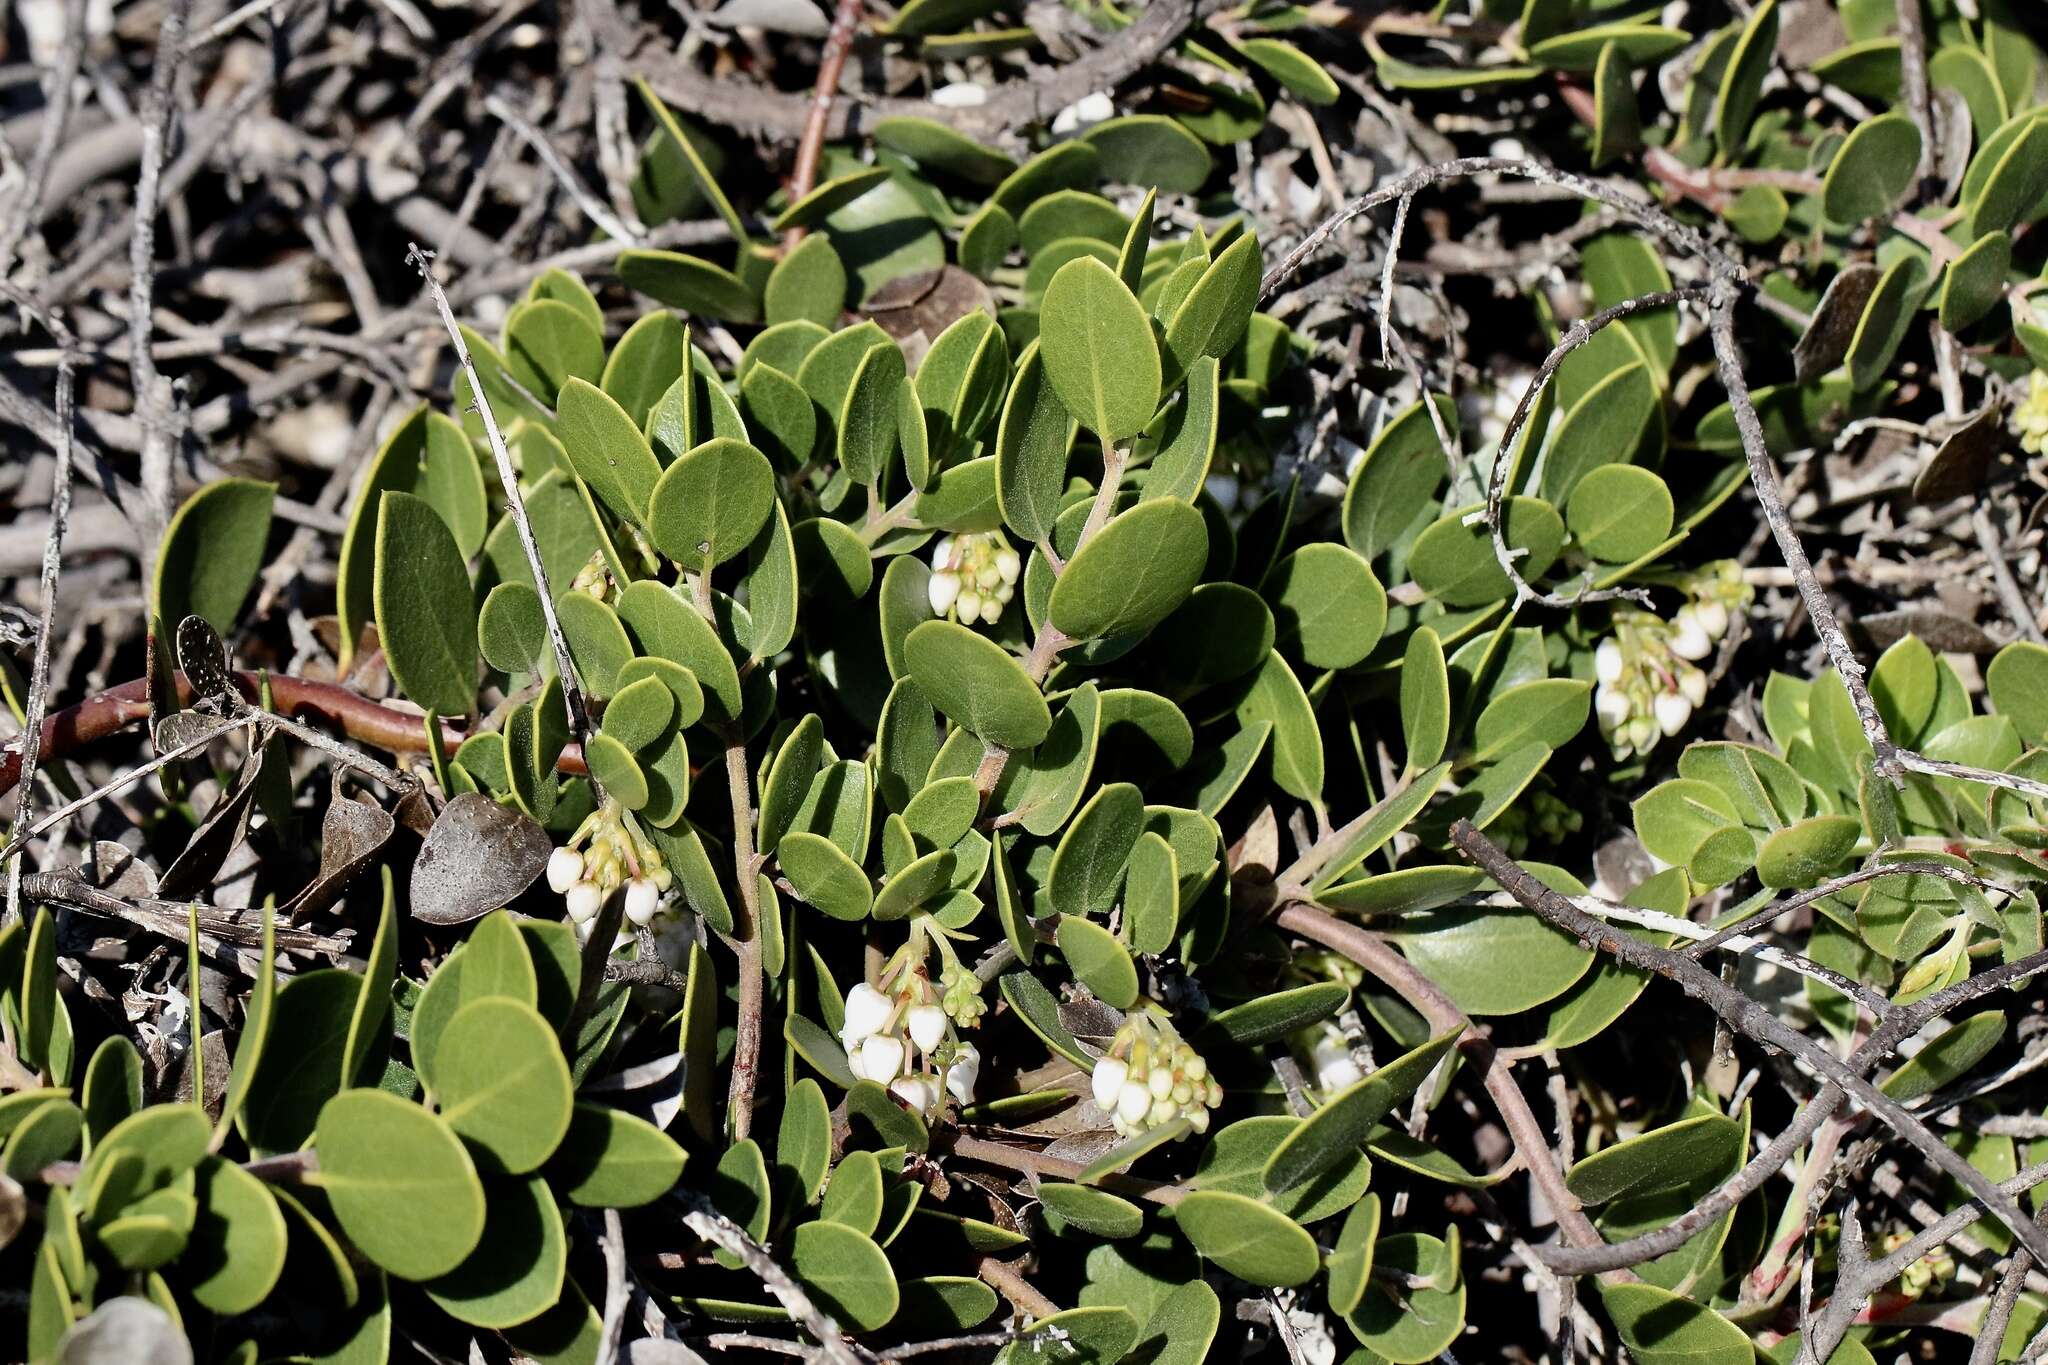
<point x="901" y="790"/>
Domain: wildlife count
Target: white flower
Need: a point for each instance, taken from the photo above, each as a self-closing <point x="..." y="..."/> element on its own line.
<point x="881" y="1058"/>
<point x="1612" y="705"/>
<point x="1713" y="618"/>
<point x="867" y="1010"/>
<point x="1693" y="684"/>
<point x="943" y="591"/>
<point x="1689" y="638"/>
<point x="1607" y="661"/>
<point x="1335" y="1068"/>
<point x="968" y="604"/>
<point x="1673" y="711"/>
<point x="1008" y="564"/>
<point x="1160" y="1082"/>
<point x="643" y="902"/>
<point x="927" y="1026"/>
<point x="919" y="1092"/>
<point x="565" y="869"/>
<point x="960" y="95"/>
<point x="584" y="901"/>
<point x="1108" y="1082"/>
<point x="961" y="1076"/>
<point x="1133" y="1102"/>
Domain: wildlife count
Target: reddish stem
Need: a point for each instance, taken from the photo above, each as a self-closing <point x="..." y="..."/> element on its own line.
<point x="362" y="720"/>
<point x="803" y="176"/>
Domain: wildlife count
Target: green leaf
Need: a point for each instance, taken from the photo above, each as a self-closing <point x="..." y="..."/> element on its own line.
<point x="237" y="1248"/>
<point x="1212" y="319"/>
<point x="1040" y="1011"/>
<point x="1660" y="1328"/>
<point x="1872" y="170"/>
<point x="1975" y="281"/>
<point x="2017" y="683"/>
<point x="1152" y="895"/>
<point x="1601" y="428"/>
<point x="935" y="146"/>
<point x="1669" y="1158"/>
<point x="428" y="455"/>
<point x="1250" y="1240"/>
<point x="424" y="607"/>
<point x="1947" y="1059"/>
<point x="1132" y="573"/>
<point x="1350" y="1261"/>
<point x="400" y="1182"/>
<point x="1885" y="321"/>
<point x="1493" y="961"/>
<point x="1099" y="961"/>
<point x="808" y="284"/>
<point x="824" y="876"/>
<point x="666" y="627"/>
<point x="647" y="360"/>
<point x="1183" y="441"/>
<point x="1549" y="711"/>
<point x="780" y="415"/>
<point x="960" y="383"/>
<point x="1618" y="513"/>
<point x="310" y="1031"/>
<point x="1454" y="562"/>
<point x="517" y="1270"/>
<point x="1328" y="606"/>
<point x="512" y="629"/>
<point x="803" y="1144"/>
<point x="1091" y="1336"/>
<point x="826" y="199"/>
<point x="256" y="1022"/>
<point x="915" y="886"/>
<point x="1288" y="65"/>
<point x="1809" y="852"/>
<point x="689" y="283"/>
<point x="867" y="419"/>
<point x="1098" y="352"/>
<point x="597" y="641"/>
<point x="1394" y="486"/>
<point x="1742" y="80"/>
<point x="1091" y="1210"/>
<point x="854" y="1198"/>
<point x="1425" y="700"/>
<point x="38" y="998"/>
<point x="1279" y="1013"/>
<point x="1088" y="864"/>
<point x="612" y="1159"/>
<point x="1618" y="121"/>
<point x="977" y="684"/>
<point x="1416" y="1324"/>
<point x="1275" y="697"/>
<point x="1337" y="1130"/>
<point x="710" y="503"/>
<point x="211" y="552"/>
<point x="1150" y="149"/>
<point x="607" y="450"/>
<point x="2012" y="182"/>
<point x="500" y="1081"/>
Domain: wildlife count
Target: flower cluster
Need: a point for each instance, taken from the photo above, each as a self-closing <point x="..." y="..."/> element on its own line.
<point x="1648" y="669"/>
<point x="608" y="855"/>
<point x="1150" y="1076"/>
<point x="2030" y="418"/>
<point x="974" y="576"/>
<point x="1539" y="817"/>
<point x="901" y="1032"/>
<point x="1932" y="1271"/>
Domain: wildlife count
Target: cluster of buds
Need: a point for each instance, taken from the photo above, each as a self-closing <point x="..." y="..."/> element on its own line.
<point x="1150" y="1076"/>
<point x="1932" y="1271"/>
<point x="595" y="577"/>
<point x="974" y="576"/>
<point x="1539" y="817"/>
<point x="607" y="856"/>
<point x="903" y="1033"/>
<point x="2030" y="418"/>
<point x="1649" y="676"/>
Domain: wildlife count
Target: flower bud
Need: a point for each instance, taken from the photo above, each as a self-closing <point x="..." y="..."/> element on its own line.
<point x="1688" y="637"/>
<point x="584" y="901"/>
<point x="1008" y="565"/>
<point x="1160" y="1082"/>
<point x="1607" y="662"/>
<point x="927" y="1025"/>
<point x="1713" y="618"/>
<point x="881" y="1058"/>
<point x="565" y="869"/>
<point x="968" y="604"/>
<point x="643" y="902"/>
<point x="919" y="1092"/>
<point x="1133" y="1102"/>
<point x="1673" y="711"/>
<point x="1108" y="1082"/>
<point x="941" y="592"/>
<point x="1693" y="683"/>
<point x="867" y="1011"/>
<point x="1612" y="706"/>
<point x="962" y="1074"/>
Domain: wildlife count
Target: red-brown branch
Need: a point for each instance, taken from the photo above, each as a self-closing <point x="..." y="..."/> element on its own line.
<point x="803" y="176"/>
<point x="358" y="717"/>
